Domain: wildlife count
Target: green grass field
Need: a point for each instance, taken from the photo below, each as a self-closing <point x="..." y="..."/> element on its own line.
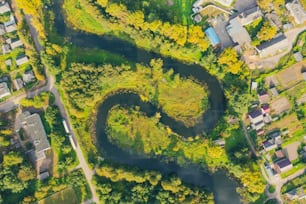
<point x="66" y="196"/>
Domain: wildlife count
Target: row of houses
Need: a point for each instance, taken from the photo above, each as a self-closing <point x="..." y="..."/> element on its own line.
<point x="11" y="44"/>
<point x="18" y="83"/>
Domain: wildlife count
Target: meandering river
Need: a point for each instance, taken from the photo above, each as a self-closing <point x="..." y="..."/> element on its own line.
<point x="222" y="186"/>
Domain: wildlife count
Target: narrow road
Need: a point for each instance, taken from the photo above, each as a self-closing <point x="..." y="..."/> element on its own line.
<point x="49" y="86"/>
<point x="247" y="137"/>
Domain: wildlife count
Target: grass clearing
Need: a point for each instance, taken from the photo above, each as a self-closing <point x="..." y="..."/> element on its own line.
<point x="295" y="168"/>
<point x="290" y="76"/>
<point x="297" y="91"/>
<point x="289" y="121"/>
<point x="66" y="196"/>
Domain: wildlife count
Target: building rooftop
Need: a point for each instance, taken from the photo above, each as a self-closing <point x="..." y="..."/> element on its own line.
<point x="277" y="44"/>
<point x="255" y="113"/>
<point x="28" y="76"/>
<point x="304" y="75"/>
<point x="4" y="7"/>
<point x="34" y="128"/>
<point x="18" y="83"/>
<point x="238" y="33"/>
<point x="4" y="90"/>
<point x="250" y="15"/>
<point x="283" y="163"/>
<point x="212" y="36"/>
<point x="21" y="60"/>
<point x="297" y="11"/>
<point x="16" y="43"/>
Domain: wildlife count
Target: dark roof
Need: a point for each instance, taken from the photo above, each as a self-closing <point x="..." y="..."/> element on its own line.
<point x="272" y="42"/>
<point x="268" y="143"/>
<point x="255" y="113"/>
<point x="283" y="163"/>
<point x="275" y="134"/>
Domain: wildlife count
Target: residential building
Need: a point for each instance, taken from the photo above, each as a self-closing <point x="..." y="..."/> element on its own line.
<point x="8" y="62"/>
<point x="10" y="28"/>
<point x="20" y="60"/>
<point x="212" y="36"/>
<point x="258" y="126"/>
<point x="4" y="7"/>
<point x="265" y="108"/>
<point x="256" y="116"/>
<point x="250" y="15"/>
<point x="274" y="91"/>
<point x="269" y="145"/>
<point x="283" y="165"/>
<point x="18" y="83"/>
<point x="296" y="10"/>
<point x="238" y="33"/>
<point x="28" y="76"/>
<point x="6" y="49"/>
<point x="16" y="43"/>
<point x="10" y="22"/>
<point x="263" y="97"/>
<point x="4" y="90"/>
<point x="296" y="194"/>
<point x="278" y="44"/>
<point x="34" y="128"/>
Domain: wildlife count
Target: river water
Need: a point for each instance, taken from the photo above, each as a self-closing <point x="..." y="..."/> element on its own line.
<point x="219" y="183"/>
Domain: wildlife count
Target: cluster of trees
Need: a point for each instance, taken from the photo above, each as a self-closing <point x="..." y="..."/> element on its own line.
<point x="229" y="58"/>
<point x="168" y="39"/>
<point x="59" y="140"/>
<point x="40" y="101"/>
<point x="183" y="99"/>
<point x="144" y="186"/>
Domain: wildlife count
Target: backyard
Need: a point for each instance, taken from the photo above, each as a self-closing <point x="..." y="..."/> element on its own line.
<point x="63" y="197"/>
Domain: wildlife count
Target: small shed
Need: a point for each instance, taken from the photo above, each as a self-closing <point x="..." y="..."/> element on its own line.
<point x="298" y="56"/>
<point x="274" y="91"/>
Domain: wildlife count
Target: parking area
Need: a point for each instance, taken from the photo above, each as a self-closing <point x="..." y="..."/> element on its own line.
<point x="220" y="28"/>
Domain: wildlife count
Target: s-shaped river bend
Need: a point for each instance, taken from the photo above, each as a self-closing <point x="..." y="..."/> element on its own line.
<point x="223" y="187"/>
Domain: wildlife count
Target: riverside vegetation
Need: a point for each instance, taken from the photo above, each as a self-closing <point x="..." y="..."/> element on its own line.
<point x="186" y="43"/>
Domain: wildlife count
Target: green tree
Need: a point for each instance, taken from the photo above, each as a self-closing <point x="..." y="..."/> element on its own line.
<point x="26" y="173"/>
<point x="11" y="159"/>
<point x="229" y="57"/>
<point x="267" y="32"/>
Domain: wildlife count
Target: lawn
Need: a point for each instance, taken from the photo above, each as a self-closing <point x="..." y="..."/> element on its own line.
<point x="298" y="90"/>
<point x="290" y="76"/>
<point x="289" y="121"/>
<point x="66" y="196"/>
<point x="295" y="168"/>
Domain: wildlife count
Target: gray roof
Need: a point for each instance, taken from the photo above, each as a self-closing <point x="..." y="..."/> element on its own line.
<point x="28" y="76"/>
<point x="34" y="128"/>
<point x="279" y="43"/>
<point x="250" y="15"/>
<point x="304" y="75"/>
<point x="238" y="33"/>
<point x="297" y="11"/>
<point x="298" y="56"/>
<point x="6" y="49"/>
<point x="21" y="60"/>
<point x="4" y="7"/>
<point x="18" y="83"/>
<point x="16" y="43"/>
<point x="4" y="90"/>
<point x="2" y="29"/>
<point x="10" y="28"/>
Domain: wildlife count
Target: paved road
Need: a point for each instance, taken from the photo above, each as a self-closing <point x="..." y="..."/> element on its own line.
<point x="49" y="86"/>
<point x="278" y="183"/>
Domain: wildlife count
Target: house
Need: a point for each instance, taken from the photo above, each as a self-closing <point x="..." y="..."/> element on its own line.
<point x="8" y="62"/>
<point x="283" y="165"/>
<point x="269" y="145"/>
<point x="220" y="142"/>
<point x="263" y="97"/>
<point x="238" y="33"/>
<point x="10" y="28"/>
<point x="34" y="128"/>
<point x="278" y="44"/>
<point x="4" y="90"/>
<point x="16" y="43"/>
<point x="6" y="49"/>
<point x="256" y="116"/>
<point x="2" y="29"/>
<point x="260" y="132"/>
<point x="20" y="60"/>
<point x="304" y="75"/>
<point x="296" y="194"/>
<point x="258" y="126"/>
<point x="250" y="15"/>
<point x="4" y="7"/>
<point x="198" y="3"/>
<point x="274" y="20"/>
<point x="269" y="170"/>
<point x="28" y="76"/>
<point x="279" y="154"/>
<point x="212" y="36"/>
<point x="298" y="56"/>
<point x="276" y="136"/>
<point x="265" y="108"/>
<point x="296" y="10"/>
<point x="254" y="85"/>
<point x="43" y="175"/>
<point x="18" y="83"/>
<point x="274" y="91"/>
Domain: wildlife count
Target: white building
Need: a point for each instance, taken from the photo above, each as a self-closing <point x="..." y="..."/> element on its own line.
<point x="4" y="90"/>
<point x="296" y="10"/>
